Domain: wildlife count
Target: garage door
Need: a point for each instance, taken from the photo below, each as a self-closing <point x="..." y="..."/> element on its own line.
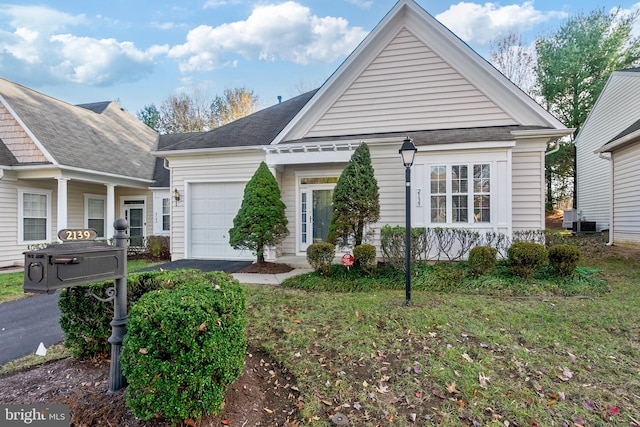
<point x="213" y="207"/>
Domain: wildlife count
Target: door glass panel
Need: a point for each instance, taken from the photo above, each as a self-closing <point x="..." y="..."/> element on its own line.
<point x="322" y="212"/>
<point x="136" y="226"/>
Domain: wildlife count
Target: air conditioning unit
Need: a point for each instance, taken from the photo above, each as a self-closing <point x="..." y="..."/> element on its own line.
<point x="569" y="217"/>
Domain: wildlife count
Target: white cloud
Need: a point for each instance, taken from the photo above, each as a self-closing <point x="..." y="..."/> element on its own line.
<point x="286" y="31"/>
<point x="37" y="48"/>
<point x="365" y="4"/>
<point x="480" y="23"/>
<point x="635" y="8"/>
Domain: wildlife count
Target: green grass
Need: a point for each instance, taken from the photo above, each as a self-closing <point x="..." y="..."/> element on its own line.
<point x="456" y="359"/>
<point x="11" y="283"/>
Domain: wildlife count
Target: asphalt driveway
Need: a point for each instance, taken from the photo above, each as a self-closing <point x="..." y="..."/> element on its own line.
<point x="27" y="322"/>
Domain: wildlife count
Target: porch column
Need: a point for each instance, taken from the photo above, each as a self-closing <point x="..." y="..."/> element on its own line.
<point x="62" y="204"/>
<point x="111" y="209"/>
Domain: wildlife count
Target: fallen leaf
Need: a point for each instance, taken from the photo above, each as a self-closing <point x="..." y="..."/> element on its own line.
<point x="589" y="405"/>
<point x="202" y="326"/>
<point x="614" y="410"/>
<point x="225" y="422"/>
<point x="357" y="406"/>
<point x="357" y="313"/>
<point x="143" y="351"/>
<point x="190" y="422"/>
<point x="451" y="388"/>
<point x="419" y="394"/>
<point x="326" y="402"/>
<point x="483" y="379"/>
<point x="466" y="357"/>
<point x="297" y="321"/>
<point x="268" y="411"/>
<point x="567" y="373"/>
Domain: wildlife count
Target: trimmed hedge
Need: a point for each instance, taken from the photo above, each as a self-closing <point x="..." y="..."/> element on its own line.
<point x="526" y="258"/>
<point x="86" y="322"/>
<point x="184" y="347"/>
<point x="482" y="259"/>
<point x="564" y="259"/>
<point x="320" y="256"/>
<point x="365" y="257"/>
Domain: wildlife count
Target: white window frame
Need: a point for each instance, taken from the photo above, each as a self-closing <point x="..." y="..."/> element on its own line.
<point x="49" y="219"/>
<point x="102" y="197"/>
<point x="470" y="194"/>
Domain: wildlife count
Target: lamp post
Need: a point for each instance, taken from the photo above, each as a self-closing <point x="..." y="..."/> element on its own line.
<point x="408" y="153"/>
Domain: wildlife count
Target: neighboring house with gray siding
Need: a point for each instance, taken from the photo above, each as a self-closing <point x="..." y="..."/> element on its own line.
<point x="614" y="112"/>
<point x="65" y="166"/>
<point x="481" y="143"/>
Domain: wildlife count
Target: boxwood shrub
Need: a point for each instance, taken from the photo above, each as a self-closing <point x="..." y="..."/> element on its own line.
<point x="526" y="258"/>
<point x="86" y="322"/>
<point x="482" y="259"/>
<point x="564" y="259"/>
<point x="365" y="257"/>
<point x="184" y="347"/>
<point x="320" y="256"/>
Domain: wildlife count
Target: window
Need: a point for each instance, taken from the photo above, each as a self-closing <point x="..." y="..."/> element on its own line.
<point x="452" y="193"/>
<point x="95" y="213"/>
<point x="166" y="218"/>
<point x="35" y="216"/>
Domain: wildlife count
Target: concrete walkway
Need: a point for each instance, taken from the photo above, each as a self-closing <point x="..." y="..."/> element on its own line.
<point x="27" y="322"/>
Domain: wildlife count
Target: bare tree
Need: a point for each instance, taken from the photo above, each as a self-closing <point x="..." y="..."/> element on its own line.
<point x="514" y="60"/>
<point x="236" y="103"/>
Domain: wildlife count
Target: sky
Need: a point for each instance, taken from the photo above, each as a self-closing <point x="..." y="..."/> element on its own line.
<point x="140" y="52"/>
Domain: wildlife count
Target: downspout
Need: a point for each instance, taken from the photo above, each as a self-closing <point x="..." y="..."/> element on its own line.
<point x="555" y="150"/>
<point x="610" y="160"/>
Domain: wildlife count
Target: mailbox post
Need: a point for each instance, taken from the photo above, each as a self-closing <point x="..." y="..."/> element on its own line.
<point x="119" y="322"/>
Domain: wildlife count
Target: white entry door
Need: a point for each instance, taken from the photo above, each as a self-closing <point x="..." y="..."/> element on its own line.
<point x="134" y="213"/>
<point x="212" y="208"/>
<point x="315" y="214"/>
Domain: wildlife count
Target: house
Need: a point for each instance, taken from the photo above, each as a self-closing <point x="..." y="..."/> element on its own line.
<point x="603" y="137"/>
<point x="481" y="144"/>
<point x="65" y="166"/>
<point x="624" y="163"/>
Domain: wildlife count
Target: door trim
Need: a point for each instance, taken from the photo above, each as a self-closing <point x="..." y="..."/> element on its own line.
<point x="300" y="246"/>
<point x="143" y="205"/>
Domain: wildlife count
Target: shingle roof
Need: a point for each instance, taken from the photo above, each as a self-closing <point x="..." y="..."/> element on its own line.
<point x="160" y="173"/>
<point x="113" y="141"/>
<point x="6" y="156"/>
<point x="633" y="128"/>
<point x="96" y="107"/>
<point x="259" y="128"/>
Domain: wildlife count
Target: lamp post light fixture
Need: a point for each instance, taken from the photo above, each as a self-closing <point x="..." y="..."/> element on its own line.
<point x="408" y="153"/>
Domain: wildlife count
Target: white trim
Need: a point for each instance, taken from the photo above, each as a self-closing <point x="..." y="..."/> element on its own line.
<point x="21" y="193"/>
<point x="618" y="143"/>
<point x="143" y="205"/>
<point x="158" y="214"/>
<point x="87" y="197"/>
<point x="299" y="175"/>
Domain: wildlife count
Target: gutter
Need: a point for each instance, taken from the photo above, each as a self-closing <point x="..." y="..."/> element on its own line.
<point x="610" y="160"/>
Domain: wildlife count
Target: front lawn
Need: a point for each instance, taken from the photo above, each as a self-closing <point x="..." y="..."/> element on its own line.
<point x="460" y="358"/>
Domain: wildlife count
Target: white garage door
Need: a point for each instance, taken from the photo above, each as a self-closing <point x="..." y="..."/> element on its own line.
<point x="213" y="207"/>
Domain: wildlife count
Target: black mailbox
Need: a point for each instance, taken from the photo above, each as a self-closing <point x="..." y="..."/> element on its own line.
<point x="72" y="264"/>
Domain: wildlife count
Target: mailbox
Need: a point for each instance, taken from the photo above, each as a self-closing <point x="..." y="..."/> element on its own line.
<point x="72" y="264"/>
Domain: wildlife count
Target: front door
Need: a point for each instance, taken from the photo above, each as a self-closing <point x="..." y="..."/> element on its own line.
<point x="134" y="214"/>
<point x="315" y="215"/>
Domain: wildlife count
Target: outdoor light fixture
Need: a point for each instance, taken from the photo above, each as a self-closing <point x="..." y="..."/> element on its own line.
<point x="176" y="195"/>
<point x="408" y="153"/>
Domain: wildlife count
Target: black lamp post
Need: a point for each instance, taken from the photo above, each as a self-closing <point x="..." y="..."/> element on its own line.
<point x="408" y="153"/>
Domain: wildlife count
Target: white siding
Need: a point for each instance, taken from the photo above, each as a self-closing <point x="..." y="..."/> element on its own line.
<point x="528" y="190"/>
<point x="10" y="250"/>
<point x="612" y="114"/>
<point x="408" y="87"/>
<point x="626" y="197"/>
<point x="238" y="167"/>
